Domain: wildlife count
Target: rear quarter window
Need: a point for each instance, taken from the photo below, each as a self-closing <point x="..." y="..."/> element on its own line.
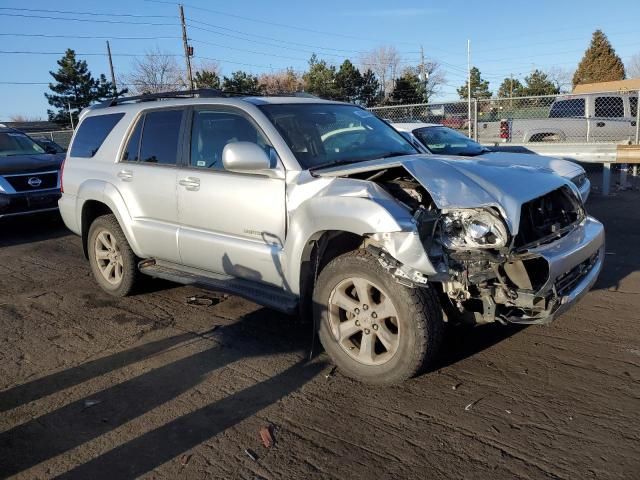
<point x="567" y="108"/>
<point x="92" y="133"/>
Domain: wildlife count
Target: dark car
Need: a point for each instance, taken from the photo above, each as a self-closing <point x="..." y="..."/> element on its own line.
<point x="29" y="176"/>
<point x="49" y="146"/>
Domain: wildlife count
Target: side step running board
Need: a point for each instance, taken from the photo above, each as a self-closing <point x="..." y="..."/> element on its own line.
<point x="271" y="297"/>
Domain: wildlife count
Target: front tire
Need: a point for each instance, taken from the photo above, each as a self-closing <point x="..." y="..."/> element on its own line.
<point x="375" y="329"/>
<point x="113" y="263"/>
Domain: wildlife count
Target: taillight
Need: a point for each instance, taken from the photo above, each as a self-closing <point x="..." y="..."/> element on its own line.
<point x="504" y="129"/>
<point x="61" y="172"/>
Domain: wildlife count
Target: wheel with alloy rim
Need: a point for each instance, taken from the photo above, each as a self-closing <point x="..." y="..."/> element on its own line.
<point x="108" y="257"/>
<point x="364" y="321"/>
<point x="375" y="329"/>
<point x="113" y="263"/>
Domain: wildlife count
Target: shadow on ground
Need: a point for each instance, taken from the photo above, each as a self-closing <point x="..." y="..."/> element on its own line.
<point x="72" y="425"/>
<point x="31" y="228"/>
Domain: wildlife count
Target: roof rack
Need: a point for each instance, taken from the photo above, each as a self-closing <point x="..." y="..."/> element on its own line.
<point x="147" y="97"/>
<point x="200" y="92"/>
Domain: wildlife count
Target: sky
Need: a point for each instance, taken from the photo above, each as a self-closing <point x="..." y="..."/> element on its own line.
<point x="507" y="37"/>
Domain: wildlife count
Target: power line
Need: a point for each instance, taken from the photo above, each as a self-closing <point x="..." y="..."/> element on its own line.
<point x="267" y="22"/>
<point x="249" y="51"/>
<point x="211" y="25"/>
<point x="88" y="20"/>
<point x="84" y="37"/>
<point x="73" y="12"/>
<point x="89" y="54"/>
<point x="342" y="55"/>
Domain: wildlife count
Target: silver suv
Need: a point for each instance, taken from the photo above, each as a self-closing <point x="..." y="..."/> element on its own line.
<point x="318" y="207"/>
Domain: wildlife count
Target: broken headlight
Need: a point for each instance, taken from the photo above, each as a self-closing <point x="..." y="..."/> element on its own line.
<point x="472" y="229"/>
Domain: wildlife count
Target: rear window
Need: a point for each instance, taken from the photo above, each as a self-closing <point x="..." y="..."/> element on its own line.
<point x="92" y="132"/>
<point x="609" y="107"/>
<point x="567" y="108"/>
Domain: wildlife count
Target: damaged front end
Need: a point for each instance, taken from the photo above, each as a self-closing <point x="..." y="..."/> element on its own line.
<point x="487" y="270"/>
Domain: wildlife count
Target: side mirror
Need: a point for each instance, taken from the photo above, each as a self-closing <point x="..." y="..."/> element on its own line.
<point x="246" y="157"/>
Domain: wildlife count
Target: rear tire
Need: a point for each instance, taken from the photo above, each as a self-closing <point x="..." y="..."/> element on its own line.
<point x="375" y="329"/>
<point x="113" y="263"/>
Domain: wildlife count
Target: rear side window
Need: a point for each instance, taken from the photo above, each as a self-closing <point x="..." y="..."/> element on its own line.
<point x="92" y="132"/>
<point x="132" y="151"/>
<point x="609" y="107"/>
<point x="633" y="106"/>
<point x="567" y="108"/>
<point x="160" y="137"/>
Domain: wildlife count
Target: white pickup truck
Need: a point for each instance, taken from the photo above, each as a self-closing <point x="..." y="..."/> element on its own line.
<point x="608" y="117"/>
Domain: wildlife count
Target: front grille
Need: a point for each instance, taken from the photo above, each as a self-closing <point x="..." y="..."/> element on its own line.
<point x="33" y="181"/>
<point x="546" y="217"/>
<point x="566" y="282"/>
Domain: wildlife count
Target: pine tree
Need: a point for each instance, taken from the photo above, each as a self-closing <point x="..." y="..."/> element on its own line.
<point x="408" y="89"/>
<point x="510" y="87"/>
<point x="206" y="79"/>
<point x="241" y="82"/>
<point x="370" y="93"/>
<point x="320" y="79"/>
<point x="539" y="83"/>
<point x="479" y="86"/>
<point x="348" y="81"/>
<point x="600" y="62"/>
<point x="75" y="89"/>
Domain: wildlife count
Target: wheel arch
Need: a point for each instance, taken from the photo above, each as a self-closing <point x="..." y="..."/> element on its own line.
<point x="101" y="198"/>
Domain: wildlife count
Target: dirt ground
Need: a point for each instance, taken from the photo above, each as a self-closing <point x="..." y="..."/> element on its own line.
<point x="97" y="387"/>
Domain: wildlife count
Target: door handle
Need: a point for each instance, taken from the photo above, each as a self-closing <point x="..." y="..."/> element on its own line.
<point x="190" y="183"/>
<point x="125" y="175"/>
<point x="600" y="124"/>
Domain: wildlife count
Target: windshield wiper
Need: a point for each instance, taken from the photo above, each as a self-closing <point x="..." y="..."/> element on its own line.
<point x="395" y="154"/>
<point x="332" y="164"/>
<point x="345" y="162"/>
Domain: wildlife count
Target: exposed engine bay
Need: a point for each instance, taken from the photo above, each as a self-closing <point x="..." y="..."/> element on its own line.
<point x="487" y="273"/>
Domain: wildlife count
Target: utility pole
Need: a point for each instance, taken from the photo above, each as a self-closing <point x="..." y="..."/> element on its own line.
<point x="113" y="75"/>
<point x="188" y="50"/>
<point x="511" y="90"/>
<point x="424" y="77"/>
<point x="469" y="85"/>
<point x="73" y="127"/>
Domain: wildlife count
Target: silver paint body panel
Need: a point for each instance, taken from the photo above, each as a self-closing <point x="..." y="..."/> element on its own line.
<point x="259" y="226"/>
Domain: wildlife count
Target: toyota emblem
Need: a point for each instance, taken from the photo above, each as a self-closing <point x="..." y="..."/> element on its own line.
<point x="34" y="182"/>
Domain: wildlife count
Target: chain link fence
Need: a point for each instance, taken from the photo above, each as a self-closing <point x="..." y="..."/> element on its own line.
<point x="606" y="117"/>
<point x="61" y="137"/>
<point x="451" y="114"/>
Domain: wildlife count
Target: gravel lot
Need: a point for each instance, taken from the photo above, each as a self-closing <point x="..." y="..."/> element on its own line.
<point x="97" y="387"/>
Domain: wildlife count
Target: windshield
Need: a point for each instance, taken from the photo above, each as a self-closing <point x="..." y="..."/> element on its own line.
<point x="16" y="143"/>
<point x="325" y="134"/>
<point x="446" y="141"/>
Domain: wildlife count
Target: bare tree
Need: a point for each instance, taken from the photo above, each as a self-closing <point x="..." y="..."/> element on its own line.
<point x="633" y="66"/>
<point x="384" y="61"/>
<point x="561" y="78"/>
<point x="435" y="78"/>
<point x="209" y="66"/>
<point x="24" y="118"/>
<point x="156" y="72"/>
<point x="284" y="81"/>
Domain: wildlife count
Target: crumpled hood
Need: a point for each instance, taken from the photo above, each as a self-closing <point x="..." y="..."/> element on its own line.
<point x="30" y="163"/>
<point x="561" y="167"/>
<point x="456" y="182"/>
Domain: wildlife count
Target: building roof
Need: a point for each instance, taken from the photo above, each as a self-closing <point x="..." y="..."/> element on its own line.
<point x="615" y="86"/>
<point x="37" y="126"/>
